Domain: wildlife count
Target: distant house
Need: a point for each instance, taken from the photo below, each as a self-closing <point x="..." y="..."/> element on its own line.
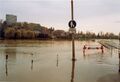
<point x="11" y="19"/>
<point x="59" y="33"/>
<point x="37" y="32"/>
<point x="45" y="30"/>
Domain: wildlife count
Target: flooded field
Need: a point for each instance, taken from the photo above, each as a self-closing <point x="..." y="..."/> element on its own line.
<point x="51" y="61"/>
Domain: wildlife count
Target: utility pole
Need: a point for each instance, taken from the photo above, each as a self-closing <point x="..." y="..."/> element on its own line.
<point x="72" y="29"/>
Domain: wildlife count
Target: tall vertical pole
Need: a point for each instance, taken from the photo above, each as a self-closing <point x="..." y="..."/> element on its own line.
<point x="119" y="51"/>
<point x="72" y="10"/>
<point x="73" y="42"/>
<point x="73" y="30"/>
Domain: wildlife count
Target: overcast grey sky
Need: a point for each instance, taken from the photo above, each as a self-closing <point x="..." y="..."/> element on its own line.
<point x="90" y="15"/>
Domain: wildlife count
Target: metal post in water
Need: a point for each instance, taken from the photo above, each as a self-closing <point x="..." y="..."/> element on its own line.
<point x="73" y="42"/>
<point x="73" y="47"/>
<point x="72" y="29"/>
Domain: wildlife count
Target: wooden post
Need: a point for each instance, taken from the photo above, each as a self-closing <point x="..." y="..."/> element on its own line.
<point x="6" y="57"/>
<point x="32" y="64"/>
<point x="6" y="67"/>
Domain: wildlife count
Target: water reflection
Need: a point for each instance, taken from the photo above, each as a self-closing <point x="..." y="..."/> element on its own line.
<point x="32" y="64"/>
<point x="110" y="78"/>
<point x="42" y="64"/>
<point x="10" y="56"/>
<point x="73" y="70"/>
<point x="111" y="51"/>
<point x="84" y="56"/>
<point x="32" y="61"/>
<point x="57" y="60"/>
<point x="97" y="57"/>
<point x="11" y="52"/>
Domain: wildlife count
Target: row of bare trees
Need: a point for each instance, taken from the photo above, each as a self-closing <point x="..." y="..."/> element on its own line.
<point x="24" y="30"/>
<point x="12" y="33"/>
<point x="100" y="35"/>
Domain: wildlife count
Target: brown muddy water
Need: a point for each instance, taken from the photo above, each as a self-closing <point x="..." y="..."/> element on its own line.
<point x="51" y="61"/>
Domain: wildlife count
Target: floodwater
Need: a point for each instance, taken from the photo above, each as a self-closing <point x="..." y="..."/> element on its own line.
<point x="51" y="61"/>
